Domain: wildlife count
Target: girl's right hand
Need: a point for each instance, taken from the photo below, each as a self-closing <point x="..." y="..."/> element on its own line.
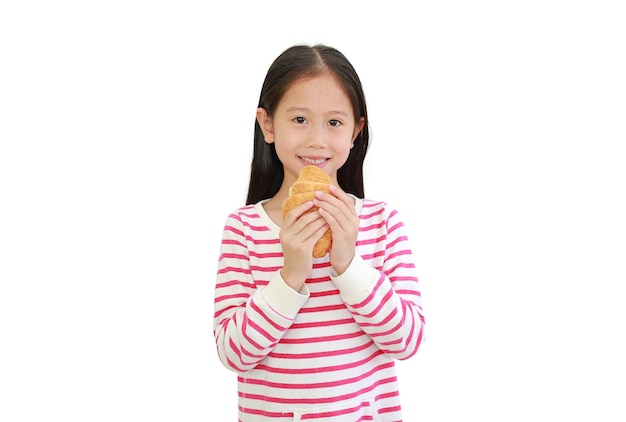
<point x="298" y="235"/>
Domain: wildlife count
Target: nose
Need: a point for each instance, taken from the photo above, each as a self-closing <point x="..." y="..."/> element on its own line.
<point x="316" y="138"/>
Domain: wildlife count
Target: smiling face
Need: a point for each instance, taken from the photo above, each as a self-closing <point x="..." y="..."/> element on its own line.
<point x="313" y="124"/>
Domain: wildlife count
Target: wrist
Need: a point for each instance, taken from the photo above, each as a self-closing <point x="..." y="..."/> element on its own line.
<point x="342" y="265"/>
<point x="294" y="281"/>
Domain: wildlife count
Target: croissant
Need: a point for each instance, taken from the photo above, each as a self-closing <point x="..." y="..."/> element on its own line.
<point x="310" y="180"/>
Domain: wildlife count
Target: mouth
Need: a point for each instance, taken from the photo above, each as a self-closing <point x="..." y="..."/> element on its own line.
<point x="314" y="160"/>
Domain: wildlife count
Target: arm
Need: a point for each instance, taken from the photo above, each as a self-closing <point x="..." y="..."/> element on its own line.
<point x="249" y="320"/>
<point x="386" y="302"/>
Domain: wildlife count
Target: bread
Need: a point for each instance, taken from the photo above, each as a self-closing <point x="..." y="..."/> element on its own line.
<point x="310" y="180"/>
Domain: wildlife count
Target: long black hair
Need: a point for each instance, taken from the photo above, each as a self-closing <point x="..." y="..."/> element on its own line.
<point x="293" y="64"/>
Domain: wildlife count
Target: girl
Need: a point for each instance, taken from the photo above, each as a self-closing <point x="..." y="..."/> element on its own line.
<point x="315" y="338"/>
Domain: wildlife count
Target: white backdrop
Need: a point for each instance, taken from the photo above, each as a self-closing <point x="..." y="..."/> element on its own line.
<point x="126" y="137"/>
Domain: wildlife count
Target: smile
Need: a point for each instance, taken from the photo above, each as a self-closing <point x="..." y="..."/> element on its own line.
<point x="314" y="160"/>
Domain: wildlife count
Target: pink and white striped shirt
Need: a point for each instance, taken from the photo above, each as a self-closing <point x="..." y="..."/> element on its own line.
<point x="325" y="353"/>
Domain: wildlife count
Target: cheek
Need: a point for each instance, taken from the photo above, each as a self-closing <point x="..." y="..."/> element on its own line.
<point x="342" y="151"/>
<point x="344" y="143"/>
<point x="285" y="143"/>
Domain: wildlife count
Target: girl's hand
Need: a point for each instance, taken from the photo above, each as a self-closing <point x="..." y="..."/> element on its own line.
<point x="337" y="209"/>
<point x="298" y="234"/>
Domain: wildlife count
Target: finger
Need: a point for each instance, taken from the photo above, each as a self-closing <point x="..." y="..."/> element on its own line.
<point x="330" y="219"/>
<point x="316" y="232"/>
<point x="308" y="222"/>
<point x="306" y="231"/>
<point x="341" y="213"/>
<point x="342" y="196"/>
<point x="296" y="212"/>
<point x="338" y="198"/>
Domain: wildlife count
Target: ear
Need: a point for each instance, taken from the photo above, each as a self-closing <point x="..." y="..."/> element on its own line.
<point x="265" y="122"/>
<point x="358" y="127"/>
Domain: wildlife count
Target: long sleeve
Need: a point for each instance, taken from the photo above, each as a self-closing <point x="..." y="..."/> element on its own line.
<point x="248" y="320"/>
<point x="385" y="300"/>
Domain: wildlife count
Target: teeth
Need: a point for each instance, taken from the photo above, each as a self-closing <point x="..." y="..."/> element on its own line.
<point x="318" y="161"/>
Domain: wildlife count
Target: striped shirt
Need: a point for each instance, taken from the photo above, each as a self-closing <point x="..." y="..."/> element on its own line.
<point x="327" y="352"/>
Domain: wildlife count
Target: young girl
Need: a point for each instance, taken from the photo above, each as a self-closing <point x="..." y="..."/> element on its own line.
<point x="315" y="339"/>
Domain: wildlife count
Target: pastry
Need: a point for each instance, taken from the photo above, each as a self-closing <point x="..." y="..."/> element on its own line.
<point x="310" y="180"/>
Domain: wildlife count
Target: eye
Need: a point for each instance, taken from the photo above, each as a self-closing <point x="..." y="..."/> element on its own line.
<point x="334" y="122"/>
<point x="300" y="120"/>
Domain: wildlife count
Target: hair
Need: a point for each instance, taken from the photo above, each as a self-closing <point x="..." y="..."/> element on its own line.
<point x="296" y="63"/>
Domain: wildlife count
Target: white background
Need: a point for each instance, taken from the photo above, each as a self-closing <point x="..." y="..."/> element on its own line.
<point x="126" y="137"/>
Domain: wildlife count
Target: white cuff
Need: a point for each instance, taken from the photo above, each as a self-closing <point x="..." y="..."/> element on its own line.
<point x="282" y="298"/>
<point x="356" y="281"/>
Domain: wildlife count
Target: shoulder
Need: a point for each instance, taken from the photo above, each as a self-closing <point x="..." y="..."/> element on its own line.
<point x="372" y="207"/>
<point x="251" y="218"/>
<point x="246" y="211"/>
<point x="379" y="213"/>
<point x="242" y="216"/>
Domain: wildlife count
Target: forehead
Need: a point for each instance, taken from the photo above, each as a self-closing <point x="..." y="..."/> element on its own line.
<point x="321" y="92"/>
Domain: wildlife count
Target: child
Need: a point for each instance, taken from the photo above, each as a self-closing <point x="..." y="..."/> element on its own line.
<point x="315" y="338"/>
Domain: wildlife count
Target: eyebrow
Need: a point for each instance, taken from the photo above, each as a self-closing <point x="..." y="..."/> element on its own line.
<point x="304" y="109"/>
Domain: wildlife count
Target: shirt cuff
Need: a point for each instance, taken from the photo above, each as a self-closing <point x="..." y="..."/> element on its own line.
<point x="356" y="281"/>
<point x="283" y="299"/>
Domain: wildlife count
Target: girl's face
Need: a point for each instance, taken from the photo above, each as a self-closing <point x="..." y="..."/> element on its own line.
<point x="313" y="124"/>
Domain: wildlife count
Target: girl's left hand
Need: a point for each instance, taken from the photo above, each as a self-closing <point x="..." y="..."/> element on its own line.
<point x="338" y="210"/>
